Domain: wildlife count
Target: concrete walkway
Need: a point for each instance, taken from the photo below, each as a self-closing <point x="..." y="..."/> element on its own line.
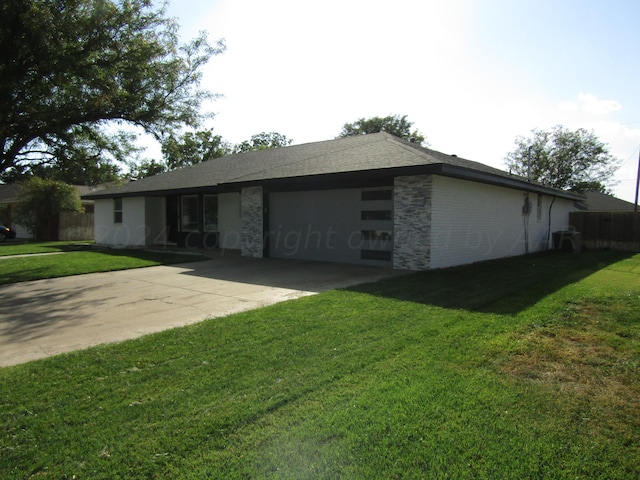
<point x="48" y="317"/>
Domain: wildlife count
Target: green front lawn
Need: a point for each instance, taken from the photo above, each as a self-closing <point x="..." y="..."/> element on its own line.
<point x="25" y="248"/>
<point x="75" y="259"/>
<point x="520" y="368"/>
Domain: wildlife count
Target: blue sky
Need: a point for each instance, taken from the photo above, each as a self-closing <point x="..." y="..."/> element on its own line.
<point x="471" y="75"/>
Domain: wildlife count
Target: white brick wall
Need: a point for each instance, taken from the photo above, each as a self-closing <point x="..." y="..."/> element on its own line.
<point x="471" y="222"/>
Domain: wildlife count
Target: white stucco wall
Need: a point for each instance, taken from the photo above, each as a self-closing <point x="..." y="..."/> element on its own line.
<point x="471" y="222"/>
<point x="229" y="220"/>
<point x="131" y="232"/>
<point x="103" y="221"/>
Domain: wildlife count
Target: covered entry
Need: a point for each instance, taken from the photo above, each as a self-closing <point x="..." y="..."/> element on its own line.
<point x="345" y="225"/>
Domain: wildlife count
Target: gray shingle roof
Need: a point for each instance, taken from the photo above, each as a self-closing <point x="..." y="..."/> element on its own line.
<point x="358" y="154"/>
<point x="9" y="192"/>
<point x="602" y="202"/>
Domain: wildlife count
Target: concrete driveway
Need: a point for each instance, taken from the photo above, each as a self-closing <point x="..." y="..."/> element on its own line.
<point x="48" y="317"/>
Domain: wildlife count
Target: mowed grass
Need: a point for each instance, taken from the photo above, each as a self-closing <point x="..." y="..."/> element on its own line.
<point x="69" y="258"/>
<point x="520" y="368"/>
<point x="30" y="247"/>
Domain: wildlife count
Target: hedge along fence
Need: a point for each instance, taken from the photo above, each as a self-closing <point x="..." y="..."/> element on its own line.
<point x="75" y="226"/>
<point x="618" y="231"/>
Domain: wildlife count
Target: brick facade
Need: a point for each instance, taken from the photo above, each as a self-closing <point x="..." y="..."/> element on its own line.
<point x="251" y="204"/>
<point x="412" y="222"/>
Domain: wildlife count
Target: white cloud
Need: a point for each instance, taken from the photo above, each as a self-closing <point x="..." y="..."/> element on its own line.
<point x="568" y="106"/>
<point x="591" y="104"/>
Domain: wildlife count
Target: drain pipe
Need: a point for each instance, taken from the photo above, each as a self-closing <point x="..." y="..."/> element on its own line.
<point x="526" y="211"/>
<point x="549" y="229"/>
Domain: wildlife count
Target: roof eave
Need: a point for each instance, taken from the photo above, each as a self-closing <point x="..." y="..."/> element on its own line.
<point x="358" y="179"/>
<point x="503" y="181"/>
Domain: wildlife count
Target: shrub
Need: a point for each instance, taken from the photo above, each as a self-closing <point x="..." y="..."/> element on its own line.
<point x="40" y="202"/>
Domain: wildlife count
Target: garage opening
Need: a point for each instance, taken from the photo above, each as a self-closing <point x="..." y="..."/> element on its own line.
<point x="344" y="226"/>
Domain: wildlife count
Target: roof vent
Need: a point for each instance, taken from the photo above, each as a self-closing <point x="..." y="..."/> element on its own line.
<point x="454" y="155"/>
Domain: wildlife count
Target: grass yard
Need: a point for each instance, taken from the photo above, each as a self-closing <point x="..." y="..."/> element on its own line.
<point x="75" y="258"/>
<point x="519" y="368"/>
<point x="25" y="248"/>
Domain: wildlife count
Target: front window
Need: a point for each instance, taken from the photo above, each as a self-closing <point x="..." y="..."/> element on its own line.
<point x="117" y="210"/>
<point x="190" y="213"/>
<point x="210" y="213"/>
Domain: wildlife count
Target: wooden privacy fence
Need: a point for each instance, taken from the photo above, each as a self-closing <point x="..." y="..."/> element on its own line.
<point x="608" y="230"/>
<point x="75" y="226"/>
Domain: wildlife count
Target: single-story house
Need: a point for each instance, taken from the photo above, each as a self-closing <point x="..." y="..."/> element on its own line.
<point x="66" y="227"/>
<point x="370" y="199"/>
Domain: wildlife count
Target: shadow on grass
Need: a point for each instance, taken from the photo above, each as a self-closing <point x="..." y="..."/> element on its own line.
<point x="504" y="287"/>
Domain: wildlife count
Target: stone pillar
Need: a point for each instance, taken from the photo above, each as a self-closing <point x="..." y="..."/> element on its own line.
<point x="251" y="205"/>
<point x="412" y="222"/>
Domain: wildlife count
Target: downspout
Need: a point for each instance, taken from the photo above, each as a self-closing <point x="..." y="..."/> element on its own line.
<point x="526" y="210"/>
<point x="549" y="229"/>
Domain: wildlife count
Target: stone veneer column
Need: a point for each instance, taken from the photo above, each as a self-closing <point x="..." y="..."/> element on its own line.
<point x="251" y="243"/>
<point x="412" y="222"/>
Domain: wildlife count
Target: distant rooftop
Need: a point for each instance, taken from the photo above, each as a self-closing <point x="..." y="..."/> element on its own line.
<point x="602" y="202"/>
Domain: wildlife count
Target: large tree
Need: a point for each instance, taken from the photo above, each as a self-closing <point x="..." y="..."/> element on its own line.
<point x="83" y="157"/>
<point x="561" y="158"/>
<point x="73" y="66"/>
<point x="145" y="168"/>
<point x="193" y="147"/>
<point x="394" y="124"/>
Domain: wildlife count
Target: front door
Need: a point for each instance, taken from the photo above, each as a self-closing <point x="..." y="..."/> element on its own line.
<point x="172" y="219"/>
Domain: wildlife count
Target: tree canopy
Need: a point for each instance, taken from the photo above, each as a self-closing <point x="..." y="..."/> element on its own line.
<point x="80" y="158"/>
<point x="561" y="158"/>
<point x="200" y="146"/>
<point x="70" y="68"/>
<point x="192" y="148"/>
<point x="263" y="141"/>
<point x="394" y="124"/>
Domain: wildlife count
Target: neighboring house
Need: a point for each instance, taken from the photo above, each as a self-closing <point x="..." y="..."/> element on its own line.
<point x="602" y="202"/>
<point x="69" y="226"/>
<point x="370" y="199"/>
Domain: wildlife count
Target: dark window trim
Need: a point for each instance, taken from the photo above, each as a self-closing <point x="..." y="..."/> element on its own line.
<point x="377" y="235"/>
<point x="380" y="255"/>
<point x="376" y="215"/>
